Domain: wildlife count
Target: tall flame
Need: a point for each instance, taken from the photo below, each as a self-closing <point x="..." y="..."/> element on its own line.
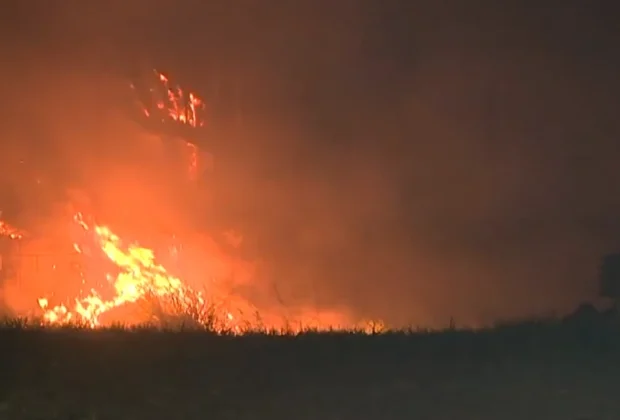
<point x="138" y="276"/>
<point x="134" y="276"/>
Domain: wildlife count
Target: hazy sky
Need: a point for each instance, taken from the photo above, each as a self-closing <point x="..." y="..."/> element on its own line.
<point x="415" y="160"/>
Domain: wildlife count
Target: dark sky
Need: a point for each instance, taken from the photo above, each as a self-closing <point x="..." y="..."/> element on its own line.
<point x="415" y="160"/>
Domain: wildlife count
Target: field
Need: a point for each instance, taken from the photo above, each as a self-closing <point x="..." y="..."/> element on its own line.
<point x="535" y="370"/>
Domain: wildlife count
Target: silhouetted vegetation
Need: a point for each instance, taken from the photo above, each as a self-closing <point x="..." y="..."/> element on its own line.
<point x="536" y="369"/>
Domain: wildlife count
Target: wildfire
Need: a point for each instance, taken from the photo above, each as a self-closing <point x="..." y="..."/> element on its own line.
<point x="9" y="231"/>
<point x="172" y="103"/>
<point x="128" y="277"/>
<point x="138" y="277"/>
<point x="135" y="277"/>
<point x="180" y="107"/>
<point x="168" y="103"/>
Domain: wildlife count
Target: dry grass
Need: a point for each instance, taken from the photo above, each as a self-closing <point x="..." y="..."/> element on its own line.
<point x="189" y="311"/>
<point x="180" y="365"/>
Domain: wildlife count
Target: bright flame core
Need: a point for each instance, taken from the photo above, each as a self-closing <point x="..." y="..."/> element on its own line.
<point x="138" y="277"/>
<point x="135" y="279"/>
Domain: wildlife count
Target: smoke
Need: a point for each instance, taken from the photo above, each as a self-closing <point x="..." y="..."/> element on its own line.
<point x="374" y="160"/>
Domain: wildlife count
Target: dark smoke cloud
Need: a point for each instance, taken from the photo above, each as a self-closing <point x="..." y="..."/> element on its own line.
<point x="414" y="163"/>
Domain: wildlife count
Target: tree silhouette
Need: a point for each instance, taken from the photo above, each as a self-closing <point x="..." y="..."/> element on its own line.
<point x="610" y="277"/>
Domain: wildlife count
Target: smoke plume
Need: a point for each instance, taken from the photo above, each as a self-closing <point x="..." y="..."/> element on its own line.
<point x="413" y="164"/>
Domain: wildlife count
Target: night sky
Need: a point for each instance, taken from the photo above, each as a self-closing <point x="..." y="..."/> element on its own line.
<point x="414" y="160"/>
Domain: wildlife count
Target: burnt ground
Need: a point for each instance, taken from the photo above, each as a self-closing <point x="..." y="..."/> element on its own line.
<point x="526" y="371"/>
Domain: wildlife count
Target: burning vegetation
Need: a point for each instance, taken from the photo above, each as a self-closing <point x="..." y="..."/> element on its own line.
<point x="163" y="101"/>
<point x="118" y="281"/>
<point x="165" y="105"/>
<point x="10" y="232"/>
<point x="137" y="289"/>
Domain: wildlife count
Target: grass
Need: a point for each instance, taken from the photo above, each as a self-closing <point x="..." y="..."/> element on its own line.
<point x="541" y="369"/>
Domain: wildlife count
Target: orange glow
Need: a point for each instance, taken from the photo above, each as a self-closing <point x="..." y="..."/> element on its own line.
<point x="182" y="108"/>
<point x="83" y="272"/>
<point x="193" y="161"/>
<point x="138" y="276"/>
<point x="9" y="231"/>
<point x="172" y="104"/>
<point x="134" y="279"/>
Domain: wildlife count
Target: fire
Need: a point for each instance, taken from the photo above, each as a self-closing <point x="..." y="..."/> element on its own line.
<point x="168" y="102"/>
<point x="136" y="278"/>
<point x="180" y="107"/>
<point x="9" y="231"/>
<point x="127" y="276"/>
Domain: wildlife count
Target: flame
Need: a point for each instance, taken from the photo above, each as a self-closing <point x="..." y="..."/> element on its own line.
<point x="8" y="231"/>
<point x="129" y="276"/>
<point x="168" y="103"/>
<point x="138" y="277"/>
<point x="135" y="277"/>
<point x="182" y="108"/>
<point x="172" y="103"/>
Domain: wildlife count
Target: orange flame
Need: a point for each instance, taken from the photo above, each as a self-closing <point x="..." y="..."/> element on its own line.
<point x="9" y="231"/>
<point x="138" y="277"/>
<point x="134" y="275"/>
<point x="173" y="104"/>
<point x="181" y="108"/>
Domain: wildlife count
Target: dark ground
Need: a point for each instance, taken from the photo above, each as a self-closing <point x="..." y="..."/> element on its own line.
<point x="526" y="371"/>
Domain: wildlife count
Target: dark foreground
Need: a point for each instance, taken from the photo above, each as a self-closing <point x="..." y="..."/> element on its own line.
<point x="526" y="371"/>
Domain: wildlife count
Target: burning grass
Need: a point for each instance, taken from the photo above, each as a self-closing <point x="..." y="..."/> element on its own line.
<point x="171" y="314"/>
<point x="116" y="252"/>
<point x="136" y="341"/>
<point x="123" y="282"/>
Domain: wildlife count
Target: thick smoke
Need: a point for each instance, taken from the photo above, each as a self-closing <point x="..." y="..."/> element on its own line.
<point x="409" y="170"/>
